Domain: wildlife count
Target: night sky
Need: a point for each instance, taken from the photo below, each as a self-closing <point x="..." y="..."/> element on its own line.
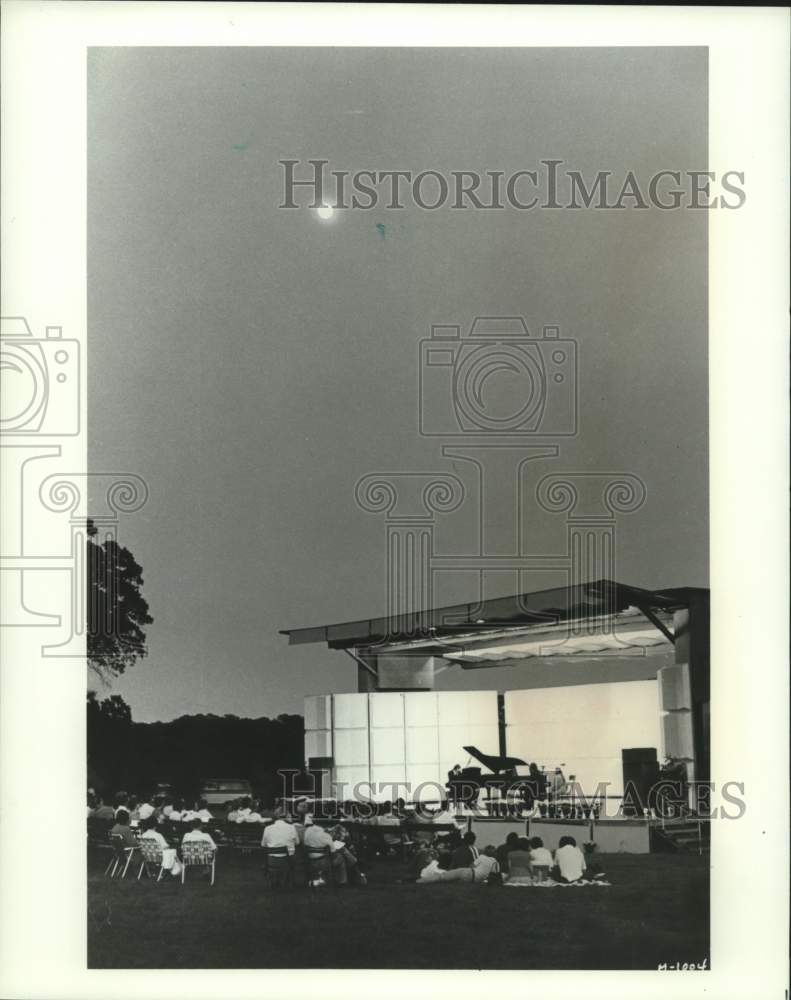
<point x="253" y="363"/>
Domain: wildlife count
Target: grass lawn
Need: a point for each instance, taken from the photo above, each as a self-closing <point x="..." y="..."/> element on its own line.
<point x="655" y="911"/>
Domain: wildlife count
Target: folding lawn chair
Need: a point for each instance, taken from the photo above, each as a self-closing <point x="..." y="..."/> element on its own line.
<point x="150" y="856"/>
<point x="278" y="867"/>
<point x="197" y="853"/>
<point x="122" y="856"/>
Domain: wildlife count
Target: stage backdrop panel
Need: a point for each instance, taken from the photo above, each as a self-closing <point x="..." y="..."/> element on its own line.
<point x="386" y="710"/>
<point x="350" y="711"/>
<point x="583" y="728"/>
<point x="318" y="711"/>
<point x="318" y="743"/>
<point x="420" y="708"/>
<point x="394" y="737"/>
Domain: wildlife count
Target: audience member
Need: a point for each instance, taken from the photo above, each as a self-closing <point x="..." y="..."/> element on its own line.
<point x="102" y="811"/>
<point x="540" y="856"/>
<point x="483" y="870"/>
<point x="243" y="811"/>
<point x="342" y="862"/>
<point x="204" y="812"/>
<point x="122" y="829"/>
<point x="170" y="861"/>
<point x="511" y="842"/>
<point x="569" y="861"/>
<point x="520" y="868"/>
<point x="280" y="833"/>
<point x="145" y="809"/>
<point x="431" y="871"/>
<point x="466" y="853"/>
<point x="197" y="833"/>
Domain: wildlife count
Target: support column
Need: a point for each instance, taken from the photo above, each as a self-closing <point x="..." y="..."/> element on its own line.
<point x="691" y="627"/>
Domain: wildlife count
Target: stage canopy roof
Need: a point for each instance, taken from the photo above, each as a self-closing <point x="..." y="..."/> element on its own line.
<point x="578" y="620"/>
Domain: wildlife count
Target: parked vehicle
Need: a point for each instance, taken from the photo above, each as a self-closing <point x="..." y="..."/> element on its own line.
<point x="218" y="791"/>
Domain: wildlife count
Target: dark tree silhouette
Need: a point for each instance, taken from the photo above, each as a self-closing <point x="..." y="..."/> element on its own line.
<point x="137" y="756"/>
<point x="116" y="609"/>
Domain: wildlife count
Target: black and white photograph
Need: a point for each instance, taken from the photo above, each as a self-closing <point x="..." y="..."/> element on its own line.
<point x="378" y="555"/>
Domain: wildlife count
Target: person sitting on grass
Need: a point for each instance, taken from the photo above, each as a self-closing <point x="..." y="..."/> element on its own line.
<point x="569" y="861"/>
<point x="196" y="832"/>
<point x="503" y="851"/>
<point x="466" y="853"/>
<point x="122" y="829"/>
<point x="520" y="867"/>
<point x="540" y="856"/>
<point x="418" y="860"/>
<point x="431" y="871"/>
<point x="483" y="870"/>
<point x="170" y="861"/>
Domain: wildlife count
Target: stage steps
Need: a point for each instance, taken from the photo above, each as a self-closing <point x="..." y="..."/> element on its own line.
<point x="690" y="835"/>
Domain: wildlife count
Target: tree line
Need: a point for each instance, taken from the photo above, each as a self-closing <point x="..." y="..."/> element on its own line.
<point x="137" y="756"/>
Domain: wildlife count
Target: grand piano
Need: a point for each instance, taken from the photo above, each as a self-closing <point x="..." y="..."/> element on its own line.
<point x="466" y="786"/>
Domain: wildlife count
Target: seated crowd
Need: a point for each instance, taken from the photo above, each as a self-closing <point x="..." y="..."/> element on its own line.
<point x="325" y="853"/>
<point x="520" y="861"/>
<point x="122" y="829"/>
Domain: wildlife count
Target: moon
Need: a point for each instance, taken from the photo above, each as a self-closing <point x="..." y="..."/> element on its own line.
<point x="325" y="212"/>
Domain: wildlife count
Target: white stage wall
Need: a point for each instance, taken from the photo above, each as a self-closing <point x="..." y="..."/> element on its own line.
<point x="417" y="736"/>
<point x="410" y="737"/>
<point x="583" y="728"/>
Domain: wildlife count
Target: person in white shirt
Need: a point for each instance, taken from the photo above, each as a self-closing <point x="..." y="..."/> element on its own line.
<point x="203" y="812"/>
<point x="170" y="861"/>
<point x="431" y="872"/>
<point x="197" y="833"/>
<point x="254" y="816"/>
<point x="144" y="810"/>
<point x="317" y="840"/>
<point x="176" y="812"/>
<point x="243" y="811"/>
<point x="569" y="861"/>
<point x="539" y="855"/>
<point x="485" y="865"/>
<point x="479" y="872"/>
<point x="280" y="833"/>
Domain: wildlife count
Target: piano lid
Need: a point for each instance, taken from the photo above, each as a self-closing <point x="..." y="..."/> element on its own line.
<point x="494" y="763"/>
